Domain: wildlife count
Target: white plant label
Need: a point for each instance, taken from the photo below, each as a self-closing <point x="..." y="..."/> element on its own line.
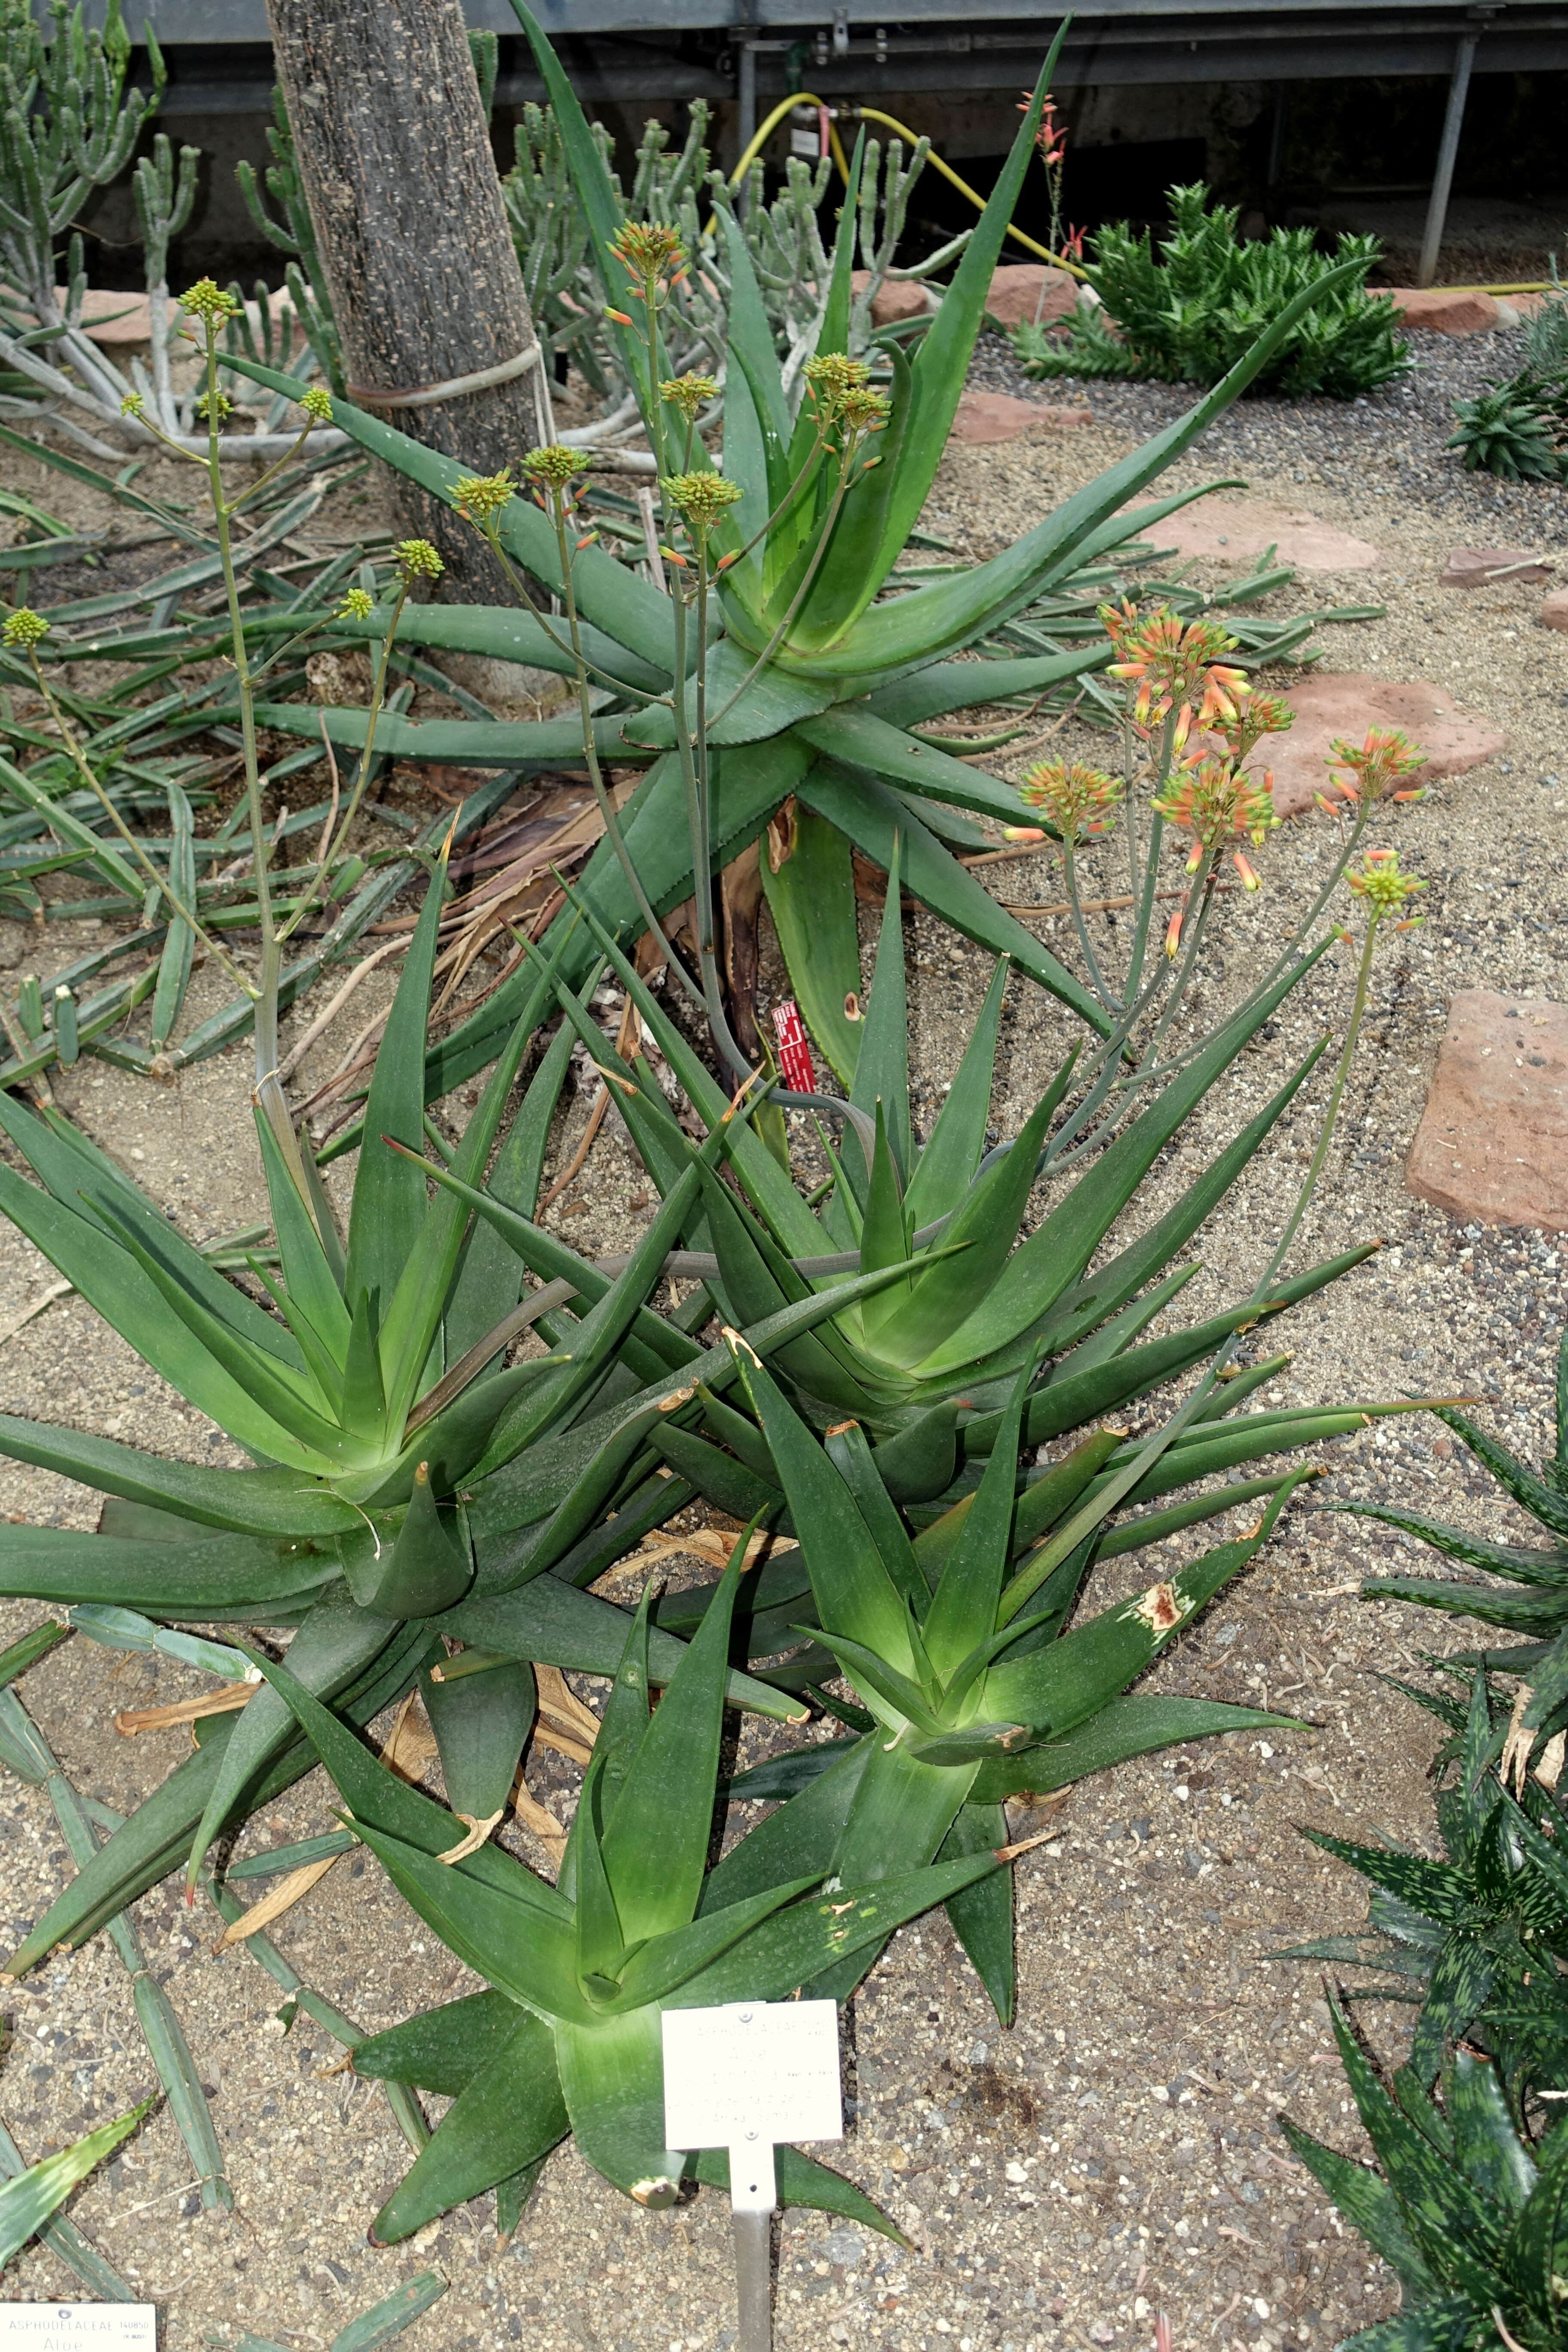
<point x="746" y="2077"/>
<point x="79" y="2327"/>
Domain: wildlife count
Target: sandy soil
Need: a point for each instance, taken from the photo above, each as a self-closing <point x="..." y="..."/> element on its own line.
<point x="1116" y="2153"/>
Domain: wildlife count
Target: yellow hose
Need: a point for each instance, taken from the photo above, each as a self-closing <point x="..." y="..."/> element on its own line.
<point x="901" y="130"/>
<point x="874" y="114"/>
<point x="787" y="106"/>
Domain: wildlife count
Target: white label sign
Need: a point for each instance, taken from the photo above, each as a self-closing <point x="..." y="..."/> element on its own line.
<point x="79" y="2327"/>
<point x="747" y="2077"/>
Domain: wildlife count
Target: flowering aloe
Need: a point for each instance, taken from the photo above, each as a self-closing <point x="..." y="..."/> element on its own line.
<point x="794" y="674"/>
<point x="569" y="2038"/>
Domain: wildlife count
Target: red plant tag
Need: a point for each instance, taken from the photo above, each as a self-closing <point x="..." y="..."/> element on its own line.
<point x="794" y="1054"/>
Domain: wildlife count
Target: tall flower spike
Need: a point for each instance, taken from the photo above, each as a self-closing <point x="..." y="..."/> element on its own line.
<point x="1383" y="887"/>
<point x="25" y="627"/>
<point x="553" y="466"/>
<point x="418" y="560"/>
<point x="688" y="393"/>
<point x="1078" y="801"/>
<point x="477" y="497"/>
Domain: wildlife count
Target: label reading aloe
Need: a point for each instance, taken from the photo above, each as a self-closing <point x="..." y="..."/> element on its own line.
<point x="79" y="2327"/>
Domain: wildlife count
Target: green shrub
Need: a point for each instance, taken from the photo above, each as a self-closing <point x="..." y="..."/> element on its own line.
<point x="1189" y="315"/>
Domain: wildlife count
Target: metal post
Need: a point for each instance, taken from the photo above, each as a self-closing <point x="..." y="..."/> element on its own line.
<point x="746" y="103"/>
<point x="1448" y="148"/>
<point x="1277" y="134"/>
<point x="753" y="2282"/>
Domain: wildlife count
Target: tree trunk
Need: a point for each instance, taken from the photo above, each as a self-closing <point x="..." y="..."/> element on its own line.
<point x="394" y="158"/>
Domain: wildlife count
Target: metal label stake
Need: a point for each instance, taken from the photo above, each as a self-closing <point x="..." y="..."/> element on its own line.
<point x="747" y="2077"/>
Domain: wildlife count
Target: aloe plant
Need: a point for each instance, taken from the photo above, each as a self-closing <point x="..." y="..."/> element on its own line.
<point x="1532" y="1598"/>
<point x="803" y="680"/>
<point x="930" y="1361"/>
<point x="959" y="1639"/>
<point x="1467" y="2210"/>
<point x="1476" y="1938"/>
<point x="568" y="2038"/>
<point x="28" y="2198"/>
<point x="409" y="1483"/>
<point x="1470" y="2205"/>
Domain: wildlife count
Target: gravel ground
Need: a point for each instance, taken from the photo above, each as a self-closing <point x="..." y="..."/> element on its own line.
<point x="1116" y="2153"/>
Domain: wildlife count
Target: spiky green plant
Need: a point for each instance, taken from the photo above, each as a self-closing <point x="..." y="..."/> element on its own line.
<point x="1190" y="314"/>
<point x="1509" y="431"/>
<point x="409" y="1483"/>
<point x="793" y="672"/>
<point x="1469" y="2211"/>
<point x="1470" y="2206"/>
<point x="967" y="1302"/>
<point x="1478" y="1938"/>
<point x="962" y="1647"/>
<point x="1532" y="1598"/>
<point x="569" y="2039"/>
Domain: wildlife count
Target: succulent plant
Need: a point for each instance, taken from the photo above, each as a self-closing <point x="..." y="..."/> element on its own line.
<point x="568" y="2038"/>
<point x="410" y="1485"/>
<point x="1505" y="430"/>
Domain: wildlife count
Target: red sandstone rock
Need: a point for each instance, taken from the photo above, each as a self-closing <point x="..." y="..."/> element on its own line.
<point x="997" y="416"/>
<point x="1492" y="1144"/>
<point x="1441" y="313"/>
<point x="1553" y="613"/>
<point x="1030" y="289"/>
<point x="1478" y="567"/>
<point x="1239" y="530"/>
<point x="895" y="298"/>
<point x="1347" y="705"/>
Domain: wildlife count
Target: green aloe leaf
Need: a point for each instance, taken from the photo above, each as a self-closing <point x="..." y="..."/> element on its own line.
<point x="873" y="817"/>
<point x="1535" y="2253"/>
<point x="440" y="2049"/>
<point x="811" y="899"/>
<point x="963" y="1612"/>
<point x="425" y="1571"/>
<point x="800" y="1838"/>
<point x="856" y="1593"/>
<point x="179" y="943"/>
<point x="389" y="1204"/>
<point x="481" y="1723"/>
<point x="335" y="1645"/>
<point x="944" y="1170"/>
<point x="510" y="2115"/>
<point x="1367" y="2202"/>
<point x="220" y="1574"/>
<point x="882" y="1067"/>
<point x="1485" y="2136"/>
<point x="1527" y="1563"/>
<point x="982" y="1915"/>
<point x="1061" y="1687"/>
<point x="656" y="1840"/>
<point x="27" y="2202"/>
<point x="795" y="1947"/>
<point x="1122" y="1728"/>
<point x="498" y="1930"/>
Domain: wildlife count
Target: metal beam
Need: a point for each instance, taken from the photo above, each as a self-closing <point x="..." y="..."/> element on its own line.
<point x="1447" y="151"/>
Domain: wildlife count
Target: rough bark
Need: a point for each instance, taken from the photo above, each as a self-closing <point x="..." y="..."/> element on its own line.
<point x="394" y="158"/>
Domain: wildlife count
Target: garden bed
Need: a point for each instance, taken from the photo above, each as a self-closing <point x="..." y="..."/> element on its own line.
<point x="1115" y="2154"/>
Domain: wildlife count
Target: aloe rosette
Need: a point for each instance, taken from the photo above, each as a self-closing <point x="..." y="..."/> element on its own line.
<point x="978" y="1677"/>
<point x="821" y="668"/>
<point x="568" y="2038"/>
<point x="411" y="1487"/>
